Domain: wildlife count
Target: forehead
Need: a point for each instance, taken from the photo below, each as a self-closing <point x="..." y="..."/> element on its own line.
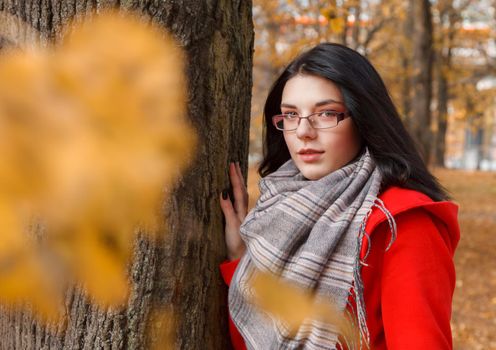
<point x="307" y="90"/>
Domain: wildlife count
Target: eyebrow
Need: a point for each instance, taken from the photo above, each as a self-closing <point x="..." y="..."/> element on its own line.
<point x="318" y="104"/>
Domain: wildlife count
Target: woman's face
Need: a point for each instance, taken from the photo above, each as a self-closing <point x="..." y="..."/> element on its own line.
<point x="318" y="152"/>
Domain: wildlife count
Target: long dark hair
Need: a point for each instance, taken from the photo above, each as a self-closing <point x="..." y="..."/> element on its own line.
<point x="372" y="111"/>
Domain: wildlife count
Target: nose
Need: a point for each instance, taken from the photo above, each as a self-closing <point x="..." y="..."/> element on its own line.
<point x="305" y="130"/>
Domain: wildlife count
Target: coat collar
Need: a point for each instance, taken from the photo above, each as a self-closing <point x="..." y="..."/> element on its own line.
<point x="398" y="200"/>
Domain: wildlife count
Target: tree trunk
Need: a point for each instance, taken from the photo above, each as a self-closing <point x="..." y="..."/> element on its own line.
<point x="442" y="116"/>
<point x="181" y="271"/>
<point x="406" y="62"/>
<point x="422" y="76"/>
<point x="355" y="30"/>
<point x="443" y="61"/>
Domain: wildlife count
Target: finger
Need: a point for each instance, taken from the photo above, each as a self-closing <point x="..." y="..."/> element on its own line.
<point x="245" y="191"/>
<point x="227" y="207"/>
<point x="236" y="181"/>
<point x="238" y="191"/>
<point x="240" y="174"/>
<point x="243" y="181"/>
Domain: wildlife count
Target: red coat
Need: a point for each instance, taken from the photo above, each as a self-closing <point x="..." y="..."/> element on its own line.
<point x="408" y="290"/>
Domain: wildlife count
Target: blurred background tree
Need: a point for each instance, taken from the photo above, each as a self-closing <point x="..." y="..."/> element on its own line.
<point x="178" y="273"/>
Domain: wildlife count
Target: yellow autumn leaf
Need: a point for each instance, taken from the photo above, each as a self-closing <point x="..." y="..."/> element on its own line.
<point x="329" y="12"/>
<point x="294" y="306"/>
<point x="337" y="25"/>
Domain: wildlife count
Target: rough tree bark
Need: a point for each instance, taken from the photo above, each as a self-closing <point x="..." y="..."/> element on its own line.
<point x="422" y="75"/>
<point x="217" y="36"/>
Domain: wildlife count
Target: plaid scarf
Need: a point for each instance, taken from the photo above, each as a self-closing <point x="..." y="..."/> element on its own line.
<point x="309" y="233"/>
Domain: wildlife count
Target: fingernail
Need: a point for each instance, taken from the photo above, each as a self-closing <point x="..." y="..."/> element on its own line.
<point x="225" y="194"/>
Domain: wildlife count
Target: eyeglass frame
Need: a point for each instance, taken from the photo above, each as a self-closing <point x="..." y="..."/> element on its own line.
<point x="340" y="115"/>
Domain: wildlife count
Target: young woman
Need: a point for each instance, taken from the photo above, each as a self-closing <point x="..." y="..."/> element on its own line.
<point x="347" y="209"/>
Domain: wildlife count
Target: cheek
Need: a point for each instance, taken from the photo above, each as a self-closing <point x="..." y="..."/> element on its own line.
<point x="291" y="142"/>
<point x="343" y="144"/>
<point x="335" y="140"/>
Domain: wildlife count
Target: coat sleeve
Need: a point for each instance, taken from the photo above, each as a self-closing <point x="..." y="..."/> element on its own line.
<point x="227" y="269"/>
<point x="418" y="280"/>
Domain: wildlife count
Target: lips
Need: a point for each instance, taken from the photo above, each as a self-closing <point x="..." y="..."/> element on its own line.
<point x="309" y="151"/>
<point x="309" y="155"/>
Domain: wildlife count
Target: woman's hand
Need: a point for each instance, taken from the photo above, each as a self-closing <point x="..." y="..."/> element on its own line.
<point x="236" y="214"/>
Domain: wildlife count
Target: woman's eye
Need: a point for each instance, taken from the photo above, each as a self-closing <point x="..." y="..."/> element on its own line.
<point x="290" y="115"/>
<point x="328" y="114"/>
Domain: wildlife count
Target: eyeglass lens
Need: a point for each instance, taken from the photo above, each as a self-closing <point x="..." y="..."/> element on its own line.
<point x="318" y="121"/>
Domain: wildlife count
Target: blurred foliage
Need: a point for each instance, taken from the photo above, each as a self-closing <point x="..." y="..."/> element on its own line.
<point x="294" y="307"/>
<point x="92" y="132"/>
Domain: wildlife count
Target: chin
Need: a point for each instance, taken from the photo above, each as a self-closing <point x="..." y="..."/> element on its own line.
<point x="317" y="170"/>
<point x="314" y="174"/>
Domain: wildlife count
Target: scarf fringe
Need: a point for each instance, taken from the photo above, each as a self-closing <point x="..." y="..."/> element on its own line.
<point x="391" y="222"/>
<point x="361" y="314"/>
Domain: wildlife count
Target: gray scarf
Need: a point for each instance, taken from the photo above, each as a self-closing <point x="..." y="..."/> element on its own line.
<point x="309" y="233"/>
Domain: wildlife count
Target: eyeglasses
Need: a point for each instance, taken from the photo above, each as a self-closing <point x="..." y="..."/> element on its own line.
<point x="318" y="120"/>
